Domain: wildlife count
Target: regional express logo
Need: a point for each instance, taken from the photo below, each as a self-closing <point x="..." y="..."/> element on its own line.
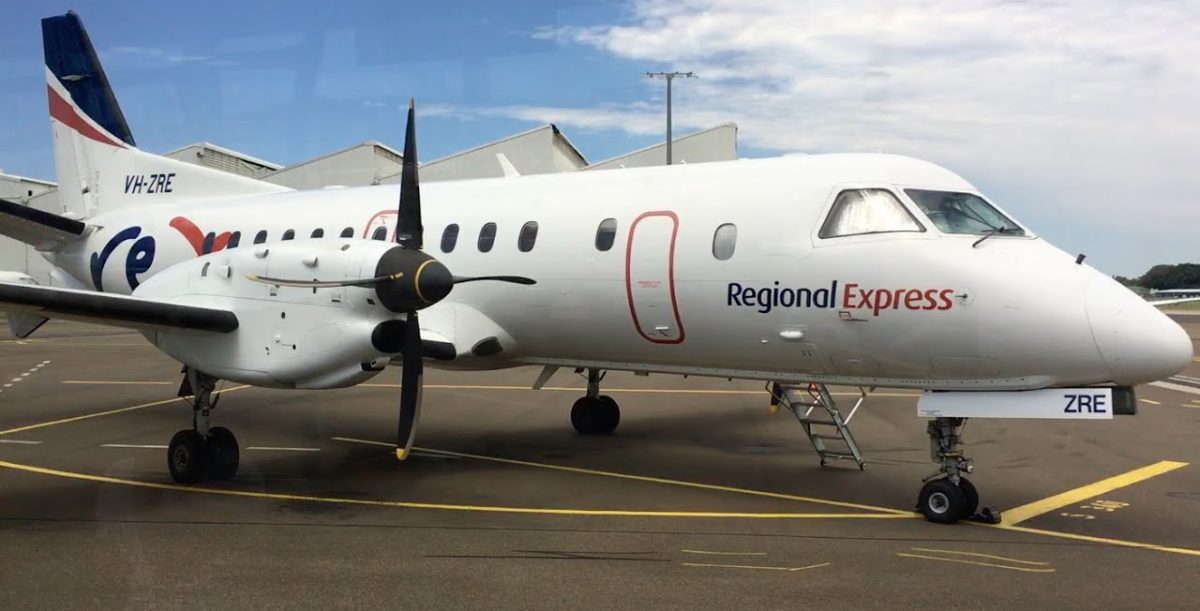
<point x="140" y="257"/>
<point x="851" y="297"/>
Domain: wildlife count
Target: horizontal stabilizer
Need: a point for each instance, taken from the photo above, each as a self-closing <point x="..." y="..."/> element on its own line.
<point x="42" y="230"/>
<point x="114" y="310"/>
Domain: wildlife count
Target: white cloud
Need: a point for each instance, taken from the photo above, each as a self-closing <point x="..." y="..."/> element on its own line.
<point x="1089" y="107"/>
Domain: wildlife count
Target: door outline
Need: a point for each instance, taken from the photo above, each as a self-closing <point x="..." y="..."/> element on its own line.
<point x="670" y="276"/>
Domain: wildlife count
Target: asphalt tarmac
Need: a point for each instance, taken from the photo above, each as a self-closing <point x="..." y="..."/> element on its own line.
<point x="702" y="499"/>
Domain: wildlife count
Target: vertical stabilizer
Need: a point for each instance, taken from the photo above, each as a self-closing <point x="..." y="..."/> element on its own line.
<point x="99" y="168"/>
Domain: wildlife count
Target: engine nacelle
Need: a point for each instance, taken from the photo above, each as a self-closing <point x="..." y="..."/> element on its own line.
<point x="287" y="337"/>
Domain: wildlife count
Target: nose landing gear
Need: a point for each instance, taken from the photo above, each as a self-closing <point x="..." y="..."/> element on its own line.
<point x="201" y="452"/>
<point x="947" y="496"/>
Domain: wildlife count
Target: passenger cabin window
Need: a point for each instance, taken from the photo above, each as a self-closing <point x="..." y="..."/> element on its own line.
<point x="864" y="211"/>
<point x="606" y="233"/>
<point x="953" y="212"/>
<point x="527" y="237"/>
<point x="449" y="237"/>
<point x="380" y="234"/>
<point x="724" y="241"/>
<point x="235" y="238"/>
<point x="260" y="237"/>
<point x="487" y="237"/>
<point x="348" y="232"/>
<point x="289" y="234"/>
<point x="317" y="233"/>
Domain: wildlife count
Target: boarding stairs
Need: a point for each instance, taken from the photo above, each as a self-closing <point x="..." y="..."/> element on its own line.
<point x="823" y="423"/>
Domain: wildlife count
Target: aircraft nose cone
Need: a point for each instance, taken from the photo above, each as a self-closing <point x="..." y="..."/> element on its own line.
<point x="1138" y="343"/>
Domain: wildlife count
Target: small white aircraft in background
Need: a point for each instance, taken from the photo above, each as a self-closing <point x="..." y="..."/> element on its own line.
<point x="801" y="271"/>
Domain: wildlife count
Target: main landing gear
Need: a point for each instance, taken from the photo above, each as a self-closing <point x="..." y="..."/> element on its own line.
<point x="594" y="413"/>
<point x="201" y="452"/>
<point x="947" y="496"/>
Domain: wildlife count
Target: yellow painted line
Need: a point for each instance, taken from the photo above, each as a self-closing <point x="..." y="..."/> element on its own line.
<point x="708" y="553"/>
<point x="1017" y="515"/>
<point x="976" y="555"/>
<point x="276" y="496"/>
<point x="676" y="391"/>
<point x="1101" y="540"/>
<point x="760" y="568"/>
<point x="44" y="342"/>
<point x="682" y="391"/>
<point x="110" y="412"/>
<point x="977" y="563"/>
<point x="884" y="512"/>
<point x="120" y="382"/>
<point x="1150" y="402"/>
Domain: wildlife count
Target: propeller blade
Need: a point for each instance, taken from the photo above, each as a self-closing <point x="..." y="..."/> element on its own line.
<point x="318" y="284"/>
<point x="410" y="386"/>
<point x="512" y="279"/>
<point x="409" y="232"/>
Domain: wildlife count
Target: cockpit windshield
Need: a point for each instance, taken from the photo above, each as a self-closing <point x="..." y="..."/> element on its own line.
<point x="954" y="212"/>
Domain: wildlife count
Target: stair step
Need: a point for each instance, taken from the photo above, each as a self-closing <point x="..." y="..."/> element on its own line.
<point x="828" y="437"/>
<point x="838" y="455"/>
<point x="824" y="422"/>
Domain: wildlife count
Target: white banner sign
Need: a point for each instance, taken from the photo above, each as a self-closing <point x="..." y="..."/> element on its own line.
<point x="1057" y="403"/>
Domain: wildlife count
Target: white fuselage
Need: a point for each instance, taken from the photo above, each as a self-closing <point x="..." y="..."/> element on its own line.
<point x="924" y="309"/>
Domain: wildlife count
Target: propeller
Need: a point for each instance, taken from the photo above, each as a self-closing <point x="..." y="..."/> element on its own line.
<point x="406" y="280"/>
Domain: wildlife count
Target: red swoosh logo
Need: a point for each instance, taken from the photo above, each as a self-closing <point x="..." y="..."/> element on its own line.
<point x="195" y="237"/>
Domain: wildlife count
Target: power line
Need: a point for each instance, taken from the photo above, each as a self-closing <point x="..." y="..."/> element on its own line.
<point x="669" y="77"/>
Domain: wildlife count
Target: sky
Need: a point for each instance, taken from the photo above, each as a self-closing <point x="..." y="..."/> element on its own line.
<point x="1077" y="117"/>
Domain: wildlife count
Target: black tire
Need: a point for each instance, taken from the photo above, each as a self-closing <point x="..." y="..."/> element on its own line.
<point x="187" y="457"/>
<point x="941" y="501"/>
<point x="970" y="498"/>
<point x="223" y="454"/>
<point x="609" y="414"/>
<point x="583" y="416"/>
<point x="598" y="416"/>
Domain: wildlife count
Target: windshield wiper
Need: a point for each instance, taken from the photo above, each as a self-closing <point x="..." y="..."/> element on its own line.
<point x="989" y="233"/>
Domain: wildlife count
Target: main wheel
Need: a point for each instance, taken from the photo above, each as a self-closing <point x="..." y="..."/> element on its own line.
<point x="223" y="453"/>
<point x="187" y="457"/>
<point x="941" y="501"/>
<point x="970" y="498"/>
<point x="610" y="414"/>
<point x="598" y="416"/>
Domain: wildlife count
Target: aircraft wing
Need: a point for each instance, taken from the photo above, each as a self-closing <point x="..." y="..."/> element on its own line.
<point x="42" y="230"/>
<point x="1167" y="302"/>
<point x="107" y="309"/>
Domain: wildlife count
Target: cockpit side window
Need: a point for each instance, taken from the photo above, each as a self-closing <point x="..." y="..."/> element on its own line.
<point x="954" y="212"/>
<point x="864" y="211"/>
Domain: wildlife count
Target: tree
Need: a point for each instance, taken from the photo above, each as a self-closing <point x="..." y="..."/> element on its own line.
<point x="1179" y="276"/>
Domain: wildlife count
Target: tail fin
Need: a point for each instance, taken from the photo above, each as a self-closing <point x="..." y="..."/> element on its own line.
<point x="99" y="168"/>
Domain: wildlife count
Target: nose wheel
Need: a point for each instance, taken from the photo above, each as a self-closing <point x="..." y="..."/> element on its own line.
<point x="201" y="452"/>
<point x="947" y="496"/>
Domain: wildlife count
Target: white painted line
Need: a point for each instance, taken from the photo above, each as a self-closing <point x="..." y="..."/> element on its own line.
<point x="1151" y="402"/>
<point x="25" y="375"/>
<point x="9" y="385"/>
<point x="133" y="445"/>
<point x="1177" y="387"/>
<point x="269" y="448"/>
<point x="20" y="441"/>
<point x="15" y="380"/>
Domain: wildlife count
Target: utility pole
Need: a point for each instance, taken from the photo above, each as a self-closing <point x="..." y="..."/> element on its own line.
<point x="669" y="76"/>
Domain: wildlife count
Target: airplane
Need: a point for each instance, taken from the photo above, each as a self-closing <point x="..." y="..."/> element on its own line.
<point x="867" y="270"/>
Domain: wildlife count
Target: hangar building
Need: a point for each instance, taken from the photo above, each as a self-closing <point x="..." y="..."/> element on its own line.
<point x="541" y="150"/>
